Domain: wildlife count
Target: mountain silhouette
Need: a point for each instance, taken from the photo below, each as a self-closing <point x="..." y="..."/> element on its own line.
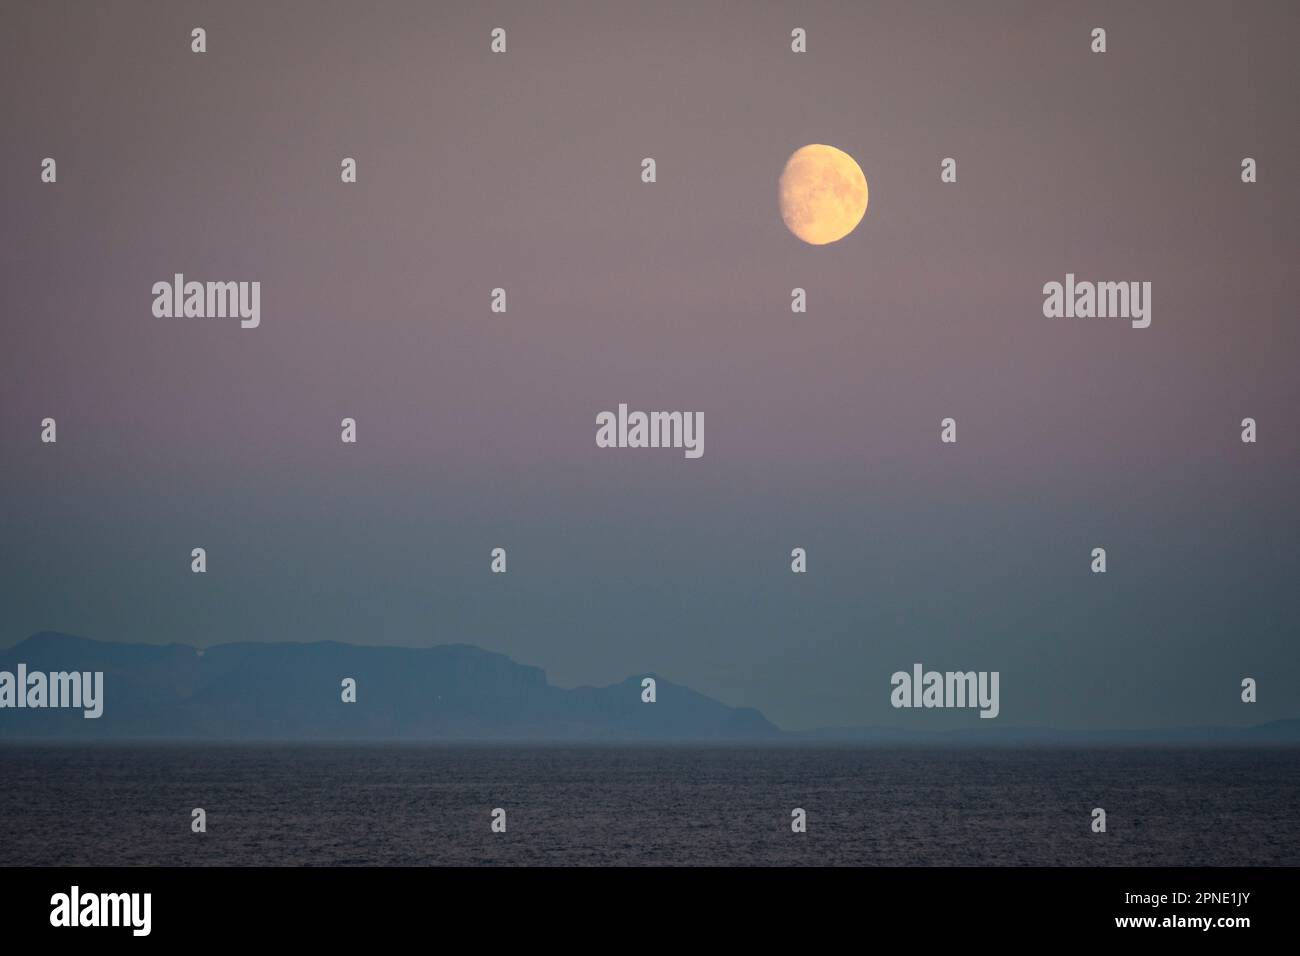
<point x="255" y="690"/>
<point x="292" y="691"/>
<point x="1279" y="732"/>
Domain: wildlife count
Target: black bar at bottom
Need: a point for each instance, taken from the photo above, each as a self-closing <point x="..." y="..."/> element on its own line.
<point x="540" y="906"/>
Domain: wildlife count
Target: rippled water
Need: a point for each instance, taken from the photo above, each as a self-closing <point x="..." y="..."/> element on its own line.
<point x="431" y="804"/>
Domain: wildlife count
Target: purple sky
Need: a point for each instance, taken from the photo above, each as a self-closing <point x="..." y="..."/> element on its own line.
<point x="476" y="430"/>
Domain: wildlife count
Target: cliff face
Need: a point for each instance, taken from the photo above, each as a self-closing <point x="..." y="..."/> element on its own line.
<point x="293" y="691"/>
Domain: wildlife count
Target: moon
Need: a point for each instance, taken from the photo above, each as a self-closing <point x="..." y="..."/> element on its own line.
<point x="823" y="194"/>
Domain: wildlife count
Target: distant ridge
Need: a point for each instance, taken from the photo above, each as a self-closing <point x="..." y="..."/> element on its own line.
<point x="255" y="690"/>
<point x="1284" y="732"/>
<point x="291" y="691"/>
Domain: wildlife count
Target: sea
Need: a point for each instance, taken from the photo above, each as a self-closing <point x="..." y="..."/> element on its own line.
<point x="645" y="805"/>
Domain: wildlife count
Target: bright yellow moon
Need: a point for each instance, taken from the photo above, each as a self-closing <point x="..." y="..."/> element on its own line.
<point x="823" y="194"/>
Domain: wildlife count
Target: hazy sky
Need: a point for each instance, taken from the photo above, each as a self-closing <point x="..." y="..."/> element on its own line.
<point x="476" y="430"/>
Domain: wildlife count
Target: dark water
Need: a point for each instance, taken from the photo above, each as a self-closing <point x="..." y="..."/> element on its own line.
<point x="416" y="805"/>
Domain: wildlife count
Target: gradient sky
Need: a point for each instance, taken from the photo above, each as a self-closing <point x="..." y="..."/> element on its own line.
<point x="476" y="430"/>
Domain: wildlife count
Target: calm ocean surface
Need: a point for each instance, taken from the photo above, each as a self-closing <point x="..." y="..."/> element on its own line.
<point x="286" y="804"/>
